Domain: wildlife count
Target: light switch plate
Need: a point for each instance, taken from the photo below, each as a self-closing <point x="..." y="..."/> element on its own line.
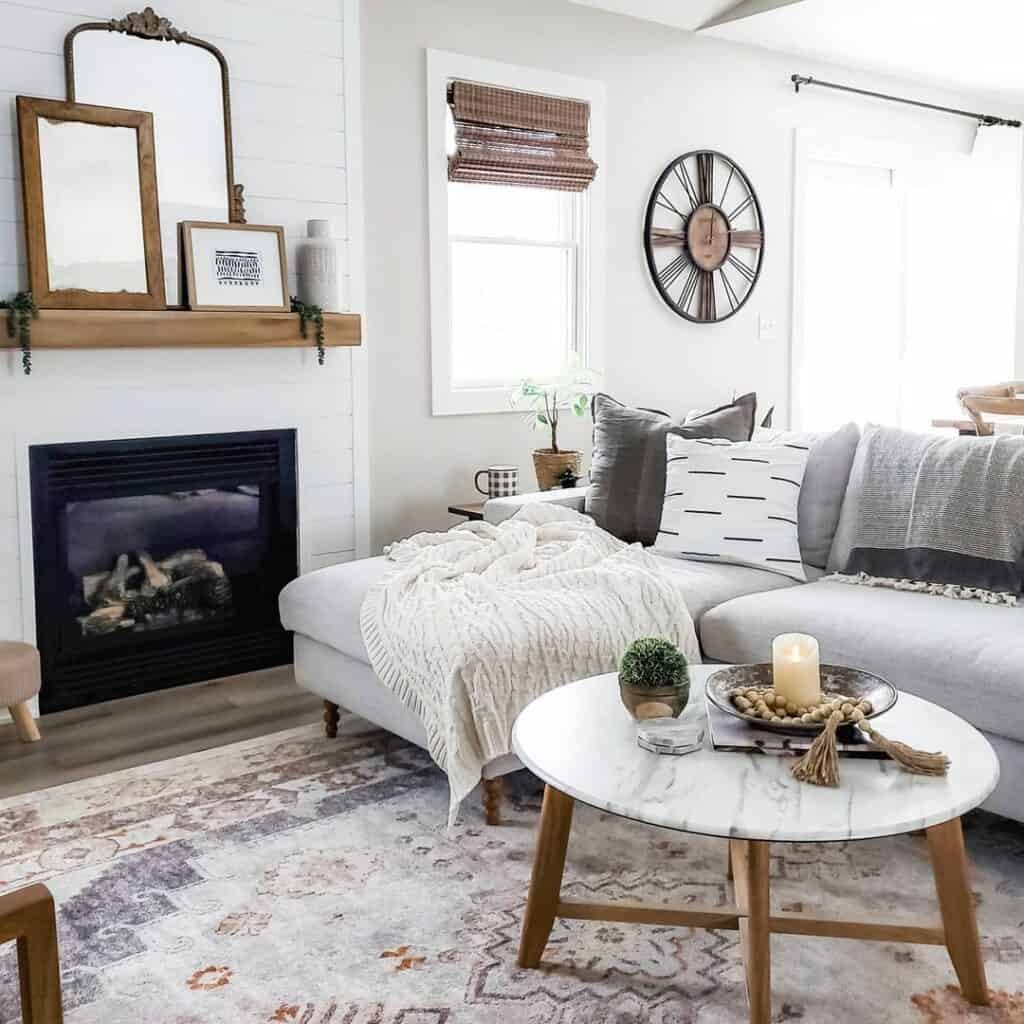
<point x="767" y="328"/>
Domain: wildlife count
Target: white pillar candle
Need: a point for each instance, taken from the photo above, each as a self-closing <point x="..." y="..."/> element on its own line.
<point x="796" y="673"/>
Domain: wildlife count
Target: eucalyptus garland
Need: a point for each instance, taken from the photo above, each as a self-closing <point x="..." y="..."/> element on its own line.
<point x="21" y="311"/>
<point x="310" y="314"/>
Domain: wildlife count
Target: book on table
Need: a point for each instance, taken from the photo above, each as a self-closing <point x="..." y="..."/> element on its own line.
<point x="733" y="734"/>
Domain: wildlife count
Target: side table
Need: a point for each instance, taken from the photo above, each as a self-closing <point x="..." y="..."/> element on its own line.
<point x="472" y="510"/>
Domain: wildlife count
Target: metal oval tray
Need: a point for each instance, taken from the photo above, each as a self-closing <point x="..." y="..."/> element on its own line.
<point x="852" y="682"/>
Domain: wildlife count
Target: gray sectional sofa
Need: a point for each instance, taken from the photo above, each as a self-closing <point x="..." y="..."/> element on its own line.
<point x="964" y="655"/>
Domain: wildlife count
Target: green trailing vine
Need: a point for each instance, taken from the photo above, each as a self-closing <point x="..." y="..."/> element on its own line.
<point x="310" y="314"/>
<point x="21" y="311"/>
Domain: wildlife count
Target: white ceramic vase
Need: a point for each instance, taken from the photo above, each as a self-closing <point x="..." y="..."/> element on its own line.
<point x="317" y="268"/>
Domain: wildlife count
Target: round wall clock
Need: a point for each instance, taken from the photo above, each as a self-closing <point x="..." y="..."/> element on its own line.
<point x="704" y="236"/>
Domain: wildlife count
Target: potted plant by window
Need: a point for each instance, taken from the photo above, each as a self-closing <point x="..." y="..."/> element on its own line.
<point x="546" y="402"/>
<point x="654" y="679"/>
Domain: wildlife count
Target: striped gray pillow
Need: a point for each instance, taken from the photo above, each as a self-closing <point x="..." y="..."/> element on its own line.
<point x="733" y="502"/>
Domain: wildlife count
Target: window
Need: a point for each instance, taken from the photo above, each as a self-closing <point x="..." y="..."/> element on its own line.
<point x="517" y="267"/>
<point x="513" y="268"/>
<point x="905" y="279"/>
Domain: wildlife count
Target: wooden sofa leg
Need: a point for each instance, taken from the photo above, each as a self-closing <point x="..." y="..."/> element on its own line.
<point x="493" y="791"/>
<point x="331" y="715"/>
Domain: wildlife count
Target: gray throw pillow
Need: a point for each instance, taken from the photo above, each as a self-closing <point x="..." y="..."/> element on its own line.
<point x="830" y="456"/>
<point x="627" y="467"/>
<point x="734" y="422"/>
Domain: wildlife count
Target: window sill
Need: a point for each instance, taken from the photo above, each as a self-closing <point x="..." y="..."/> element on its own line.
<point x="473" y="401"/>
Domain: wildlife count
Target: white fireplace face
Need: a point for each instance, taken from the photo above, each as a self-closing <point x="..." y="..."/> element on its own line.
<point x="105" y="395"/>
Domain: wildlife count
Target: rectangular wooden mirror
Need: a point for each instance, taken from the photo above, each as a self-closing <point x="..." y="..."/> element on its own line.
<point x="91" y="217"/>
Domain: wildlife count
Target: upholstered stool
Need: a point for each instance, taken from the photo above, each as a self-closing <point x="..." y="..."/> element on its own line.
<point x="19" y="683"/>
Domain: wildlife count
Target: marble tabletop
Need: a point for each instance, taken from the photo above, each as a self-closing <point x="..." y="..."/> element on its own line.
<point x="581" y="740"/>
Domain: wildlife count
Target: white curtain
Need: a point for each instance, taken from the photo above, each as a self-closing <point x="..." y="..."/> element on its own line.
<point x="907" y="279"/>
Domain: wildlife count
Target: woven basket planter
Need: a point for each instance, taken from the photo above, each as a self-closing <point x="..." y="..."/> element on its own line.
<point x="549" y="466"/>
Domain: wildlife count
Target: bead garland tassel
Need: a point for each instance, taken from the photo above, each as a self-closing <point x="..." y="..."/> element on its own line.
<point x="820" y="765"/>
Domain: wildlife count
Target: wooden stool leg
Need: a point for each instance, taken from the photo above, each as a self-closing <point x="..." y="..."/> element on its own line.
<point x="24" y="724"/>
<point x="493" y="789"/>
<point x="546" y="882"/>
<point x="949" y="864"/>
<point x="750" y="861"/>
<point x="331" y="715"/>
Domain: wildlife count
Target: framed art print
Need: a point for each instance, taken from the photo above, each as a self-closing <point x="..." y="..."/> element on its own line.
<point x="235" y="267"/>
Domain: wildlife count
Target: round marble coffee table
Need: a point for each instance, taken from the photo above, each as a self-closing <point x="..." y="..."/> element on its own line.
<point x="580" y="740"/>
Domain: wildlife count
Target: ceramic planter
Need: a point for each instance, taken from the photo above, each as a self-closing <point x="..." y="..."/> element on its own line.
<point x="646" y="702"/>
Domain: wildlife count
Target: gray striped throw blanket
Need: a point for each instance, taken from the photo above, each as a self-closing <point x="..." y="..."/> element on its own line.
<point x="947" y="513"/>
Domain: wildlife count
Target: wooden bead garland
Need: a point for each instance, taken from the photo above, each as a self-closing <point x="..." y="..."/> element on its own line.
<point x="763" y="702"/>
<point x="820" y="765"/>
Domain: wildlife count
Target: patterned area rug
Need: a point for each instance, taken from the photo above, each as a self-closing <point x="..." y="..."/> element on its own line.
<point x="298" y="879"/>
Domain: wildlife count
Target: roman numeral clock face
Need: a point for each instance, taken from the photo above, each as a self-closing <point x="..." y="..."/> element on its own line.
<point x="704" y="237"/>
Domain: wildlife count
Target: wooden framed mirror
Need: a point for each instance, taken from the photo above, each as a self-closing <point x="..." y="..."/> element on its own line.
<point x="116" y="64"/>
<point x="91" y="219"/>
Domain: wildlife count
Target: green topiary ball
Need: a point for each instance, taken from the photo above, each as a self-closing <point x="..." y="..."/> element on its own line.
<point x="652" y="662"/>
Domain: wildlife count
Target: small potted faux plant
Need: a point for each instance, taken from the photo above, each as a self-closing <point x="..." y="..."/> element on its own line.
<point x="654" y="679"/>
<point x="570" y="392"/>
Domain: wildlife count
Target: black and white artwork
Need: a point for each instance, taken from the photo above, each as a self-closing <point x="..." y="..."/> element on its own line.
<point x="235" y="266"/>
<point x="239" y="268"/>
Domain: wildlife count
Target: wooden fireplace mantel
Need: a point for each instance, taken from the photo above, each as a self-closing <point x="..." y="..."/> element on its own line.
<point x="181" y="328"/>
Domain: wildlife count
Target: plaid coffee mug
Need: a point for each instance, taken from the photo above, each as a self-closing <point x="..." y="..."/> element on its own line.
<point x="502" y="481"/>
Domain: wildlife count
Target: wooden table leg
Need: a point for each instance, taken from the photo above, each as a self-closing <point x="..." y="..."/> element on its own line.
<point x="949" y="864"/>
<point x="749" y="860"/>
<point x="546" y="881"/>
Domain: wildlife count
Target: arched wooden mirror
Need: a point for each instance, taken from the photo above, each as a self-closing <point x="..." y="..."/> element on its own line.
<point x="185" y="86"/>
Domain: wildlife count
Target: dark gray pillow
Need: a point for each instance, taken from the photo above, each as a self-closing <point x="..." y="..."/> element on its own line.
<point x="627" y="467"/>
<point x="734" y="422"/>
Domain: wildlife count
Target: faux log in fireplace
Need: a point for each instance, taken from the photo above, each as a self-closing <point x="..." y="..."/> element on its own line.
<point x="158" y="561"/>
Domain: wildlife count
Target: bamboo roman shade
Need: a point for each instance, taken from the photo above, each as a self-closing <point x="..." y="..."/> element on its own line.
<point x="507" y="137"/>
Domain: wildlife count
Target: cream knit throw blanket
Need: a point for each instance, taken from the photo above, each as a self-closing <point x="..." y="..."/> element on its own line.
<point x="473" y="624"/>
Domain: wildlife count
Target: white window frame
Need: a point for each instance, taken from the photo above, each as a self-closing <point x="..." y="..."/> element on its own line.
<point x="442" y="67"/>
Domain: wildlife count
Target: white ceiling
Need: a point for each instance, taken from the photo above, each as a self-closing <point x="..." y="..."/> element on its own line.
<point x="687" y="14"/>
<point x="975" y="46"/>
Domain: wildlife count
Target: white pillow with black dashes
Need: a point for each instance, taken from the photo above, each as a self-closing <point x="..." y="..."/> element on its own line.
<point x="733" y="502"/>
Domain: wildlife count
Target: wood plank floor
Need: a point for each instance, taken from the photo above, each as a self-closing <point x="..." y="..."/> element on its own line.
<point x="119" y="734"/>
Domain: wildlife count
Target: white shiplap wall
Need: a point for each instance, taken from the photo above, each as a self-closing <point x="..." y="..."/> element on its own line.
<point x="288" y="73"/>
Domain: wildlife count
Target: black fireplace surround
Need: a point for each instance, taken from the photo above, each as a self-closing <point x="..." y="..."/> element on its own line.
<point x="158" y="561"/>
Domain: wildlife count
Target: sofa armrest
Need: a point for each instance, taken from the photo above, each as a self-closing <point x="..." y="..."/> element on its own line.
<point x="497" y="510"/>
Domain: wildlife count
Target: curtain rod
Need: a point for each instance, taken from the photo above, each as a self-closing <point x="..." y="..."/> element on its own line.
<point x="987" y="120"/>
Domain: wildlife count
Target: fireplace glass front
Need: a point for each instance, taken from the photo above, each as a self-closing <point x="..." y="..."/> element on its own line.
<point x="159" y="561"/>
